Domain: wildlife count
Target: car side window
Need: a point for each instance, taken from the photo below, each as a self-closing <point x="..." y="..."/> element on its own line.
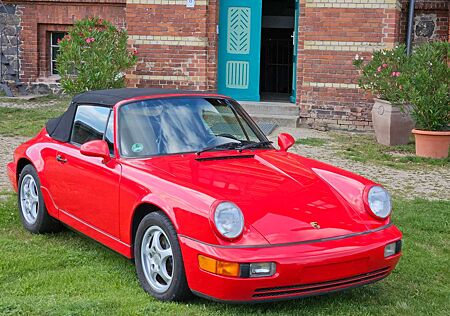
<point x="109" y="135"/>
<point x="89" y="124"/>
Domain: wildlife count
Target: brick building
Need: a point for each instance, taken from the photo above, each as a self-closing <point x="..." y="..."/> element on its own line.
<point x="281" y="51"/>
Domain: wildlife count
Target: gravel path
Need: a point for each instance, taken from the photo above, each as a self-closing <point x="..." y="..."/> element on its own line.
<point x="7" y="146"/>
<point x="27" y="105"/>
<point x="431" y="183"/>
<point x="428" y="182"/>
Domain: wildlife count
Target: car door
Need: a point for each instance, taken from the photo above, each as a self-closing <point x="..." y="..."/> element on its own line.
<point x="87" y="192"/>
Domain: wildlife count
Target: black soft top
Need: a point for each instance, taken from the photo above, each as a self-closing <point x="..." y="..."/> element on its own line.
<point x="60" y="128"/>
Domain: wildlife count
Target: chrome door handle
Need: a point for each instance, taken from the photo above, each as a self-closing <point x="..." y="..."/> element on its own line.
<point x="61" y="159"/>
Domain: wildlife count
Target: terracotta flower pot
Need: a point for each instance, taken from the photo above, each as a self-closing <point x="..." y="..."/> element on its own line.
<point x="392" y="126"/>
<point x="432" y="144"/>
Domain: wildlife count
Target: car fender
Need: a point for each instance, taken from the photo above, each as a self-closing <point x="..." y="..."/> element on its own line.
<point x="349" y="186"/>
<point x="161" y="204"/>
<point x="31" y="151"/>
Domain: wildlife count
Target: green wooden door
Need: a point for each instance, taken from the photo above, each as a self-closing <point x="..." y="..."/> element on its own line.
<point x="239" y="49"/>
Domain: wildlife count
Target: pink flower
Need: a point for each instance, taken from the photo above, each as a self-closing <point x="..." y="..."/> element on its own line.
<point x="379" y="69"/>
<point x="395" y="74"/>
<point x="90" y="40"/>
<point x="135" y="52"/>
<point x="385" y="65"/>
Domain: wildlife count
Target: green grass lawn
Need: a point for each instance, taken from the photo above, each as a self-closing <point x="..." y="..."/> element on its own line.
<point x="28" y="122"/>
<point x="68" y="274"/>
<point x="364" y="148"/>
<point x="311" y="141"/>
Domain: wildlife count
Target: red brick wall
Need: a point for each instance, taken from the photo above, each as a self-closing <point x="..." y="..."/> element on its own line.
<point x="330" y="35"/>
<point x="39" y="18"/>
<point x="177" y="46"/>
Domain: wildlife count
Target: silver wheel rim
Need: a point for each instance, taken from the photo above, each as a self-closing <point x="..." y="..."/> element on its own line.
<point x="29" y="199"/>
<point x="157" y="259"/>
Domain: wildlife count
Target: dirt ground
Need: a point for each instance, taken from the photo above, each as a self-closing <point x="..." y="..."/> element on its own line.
<point x="430" y="183"/>
<point x="7" y="146"/>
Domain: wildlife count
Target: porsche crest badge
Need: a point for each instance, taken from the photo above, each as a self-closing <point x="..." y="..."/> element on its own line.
<point x="315" y="225"/>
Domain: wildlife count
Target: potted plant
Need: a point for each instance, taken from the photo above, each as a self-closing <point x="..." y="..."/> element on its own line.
<point x="427" y="88"/>
<point x="381" y="77"/>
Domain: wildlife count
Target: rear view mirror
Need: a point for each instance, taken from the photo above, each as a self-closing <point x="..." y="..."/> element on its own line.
<point x="96" y="148"/>
<point x="285" y="141"/>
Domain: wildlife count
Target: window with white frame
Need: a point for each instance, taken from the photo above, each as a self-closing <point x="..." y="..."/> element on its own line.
<point x="55" y="37"/>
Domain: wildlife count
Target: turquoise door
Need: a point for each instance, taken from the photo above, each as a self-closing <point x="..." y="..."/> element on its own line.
<point x="239" y="49"/>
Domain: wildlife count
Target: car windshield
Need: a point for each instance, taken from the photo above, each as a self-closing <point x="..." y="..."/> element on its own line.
<point x="182" y="125"/>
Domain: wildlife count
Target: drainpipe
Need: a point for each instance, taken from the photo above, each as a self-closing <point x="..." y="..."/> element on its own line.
<point x="409" y="31"/>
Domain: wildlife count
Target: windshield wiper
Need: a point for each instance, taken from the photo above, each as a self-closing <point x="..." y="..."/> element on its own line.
<point x="216" y="146"/>
<point x="255" y="145"/>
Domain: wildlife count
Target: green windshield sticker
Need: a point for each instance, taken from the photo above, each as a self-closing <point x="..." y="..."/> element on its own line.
<point x="137" y="148"/>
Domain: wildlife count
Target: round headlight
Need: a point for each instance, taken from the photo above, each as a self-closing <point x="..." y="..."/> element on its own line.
<point x="229" y="220"/>
<point x="379" y="202"/>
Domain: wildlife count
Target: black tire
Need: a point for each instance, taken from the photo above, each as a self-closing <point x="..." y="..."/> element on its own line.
<point x="43" y="222"/>
<point x="178" y="289"/>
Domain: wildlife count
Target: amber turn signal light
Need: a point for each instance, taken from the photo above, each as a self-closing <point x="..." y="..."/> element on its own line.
<point x="219" y="267"/>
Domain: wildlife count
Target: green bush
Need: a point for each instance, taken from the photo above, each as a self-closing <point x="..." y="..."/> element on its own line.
<point x="94" y="55"/>
<point x="382" y="74"/>
<point x="426" y="86"/>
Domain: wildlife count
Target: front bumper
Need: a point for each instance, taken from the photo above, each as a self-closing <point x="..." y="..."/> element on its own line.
<point x="302" y="269"/>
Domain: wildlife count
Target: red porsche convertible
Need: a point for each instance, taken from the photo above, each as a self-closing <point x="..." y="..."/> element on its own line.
<point x="188" y="186"/>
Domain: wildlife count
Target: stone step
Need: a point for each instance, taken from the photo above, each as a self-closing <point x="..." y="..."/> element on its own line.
<point x="266" y="108"/>
<point x="280" y="120"/>
<point x="49" y="79"/>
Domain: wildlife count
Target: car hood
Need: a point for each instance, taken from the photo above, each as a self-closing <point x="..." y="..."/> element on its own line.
<point x="280" y="197"/>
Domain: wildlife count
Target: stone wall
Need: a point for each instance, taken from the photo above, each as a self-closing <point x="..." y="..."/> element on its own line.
<point x="431" y="20"/>
<point x="9" y="33"/>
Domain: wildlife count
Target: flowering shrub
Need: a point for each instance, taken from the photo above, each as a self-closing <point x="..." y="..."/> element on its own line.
<point x="382" y="74"/>
<point x="421" y="80"/>
<point x="93" y="55"/>
<point x="427" y="86"/>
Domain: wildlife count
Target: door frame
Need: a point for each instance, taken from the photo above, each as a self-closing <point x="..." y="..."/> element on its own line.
<point x="293" y="97"/>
